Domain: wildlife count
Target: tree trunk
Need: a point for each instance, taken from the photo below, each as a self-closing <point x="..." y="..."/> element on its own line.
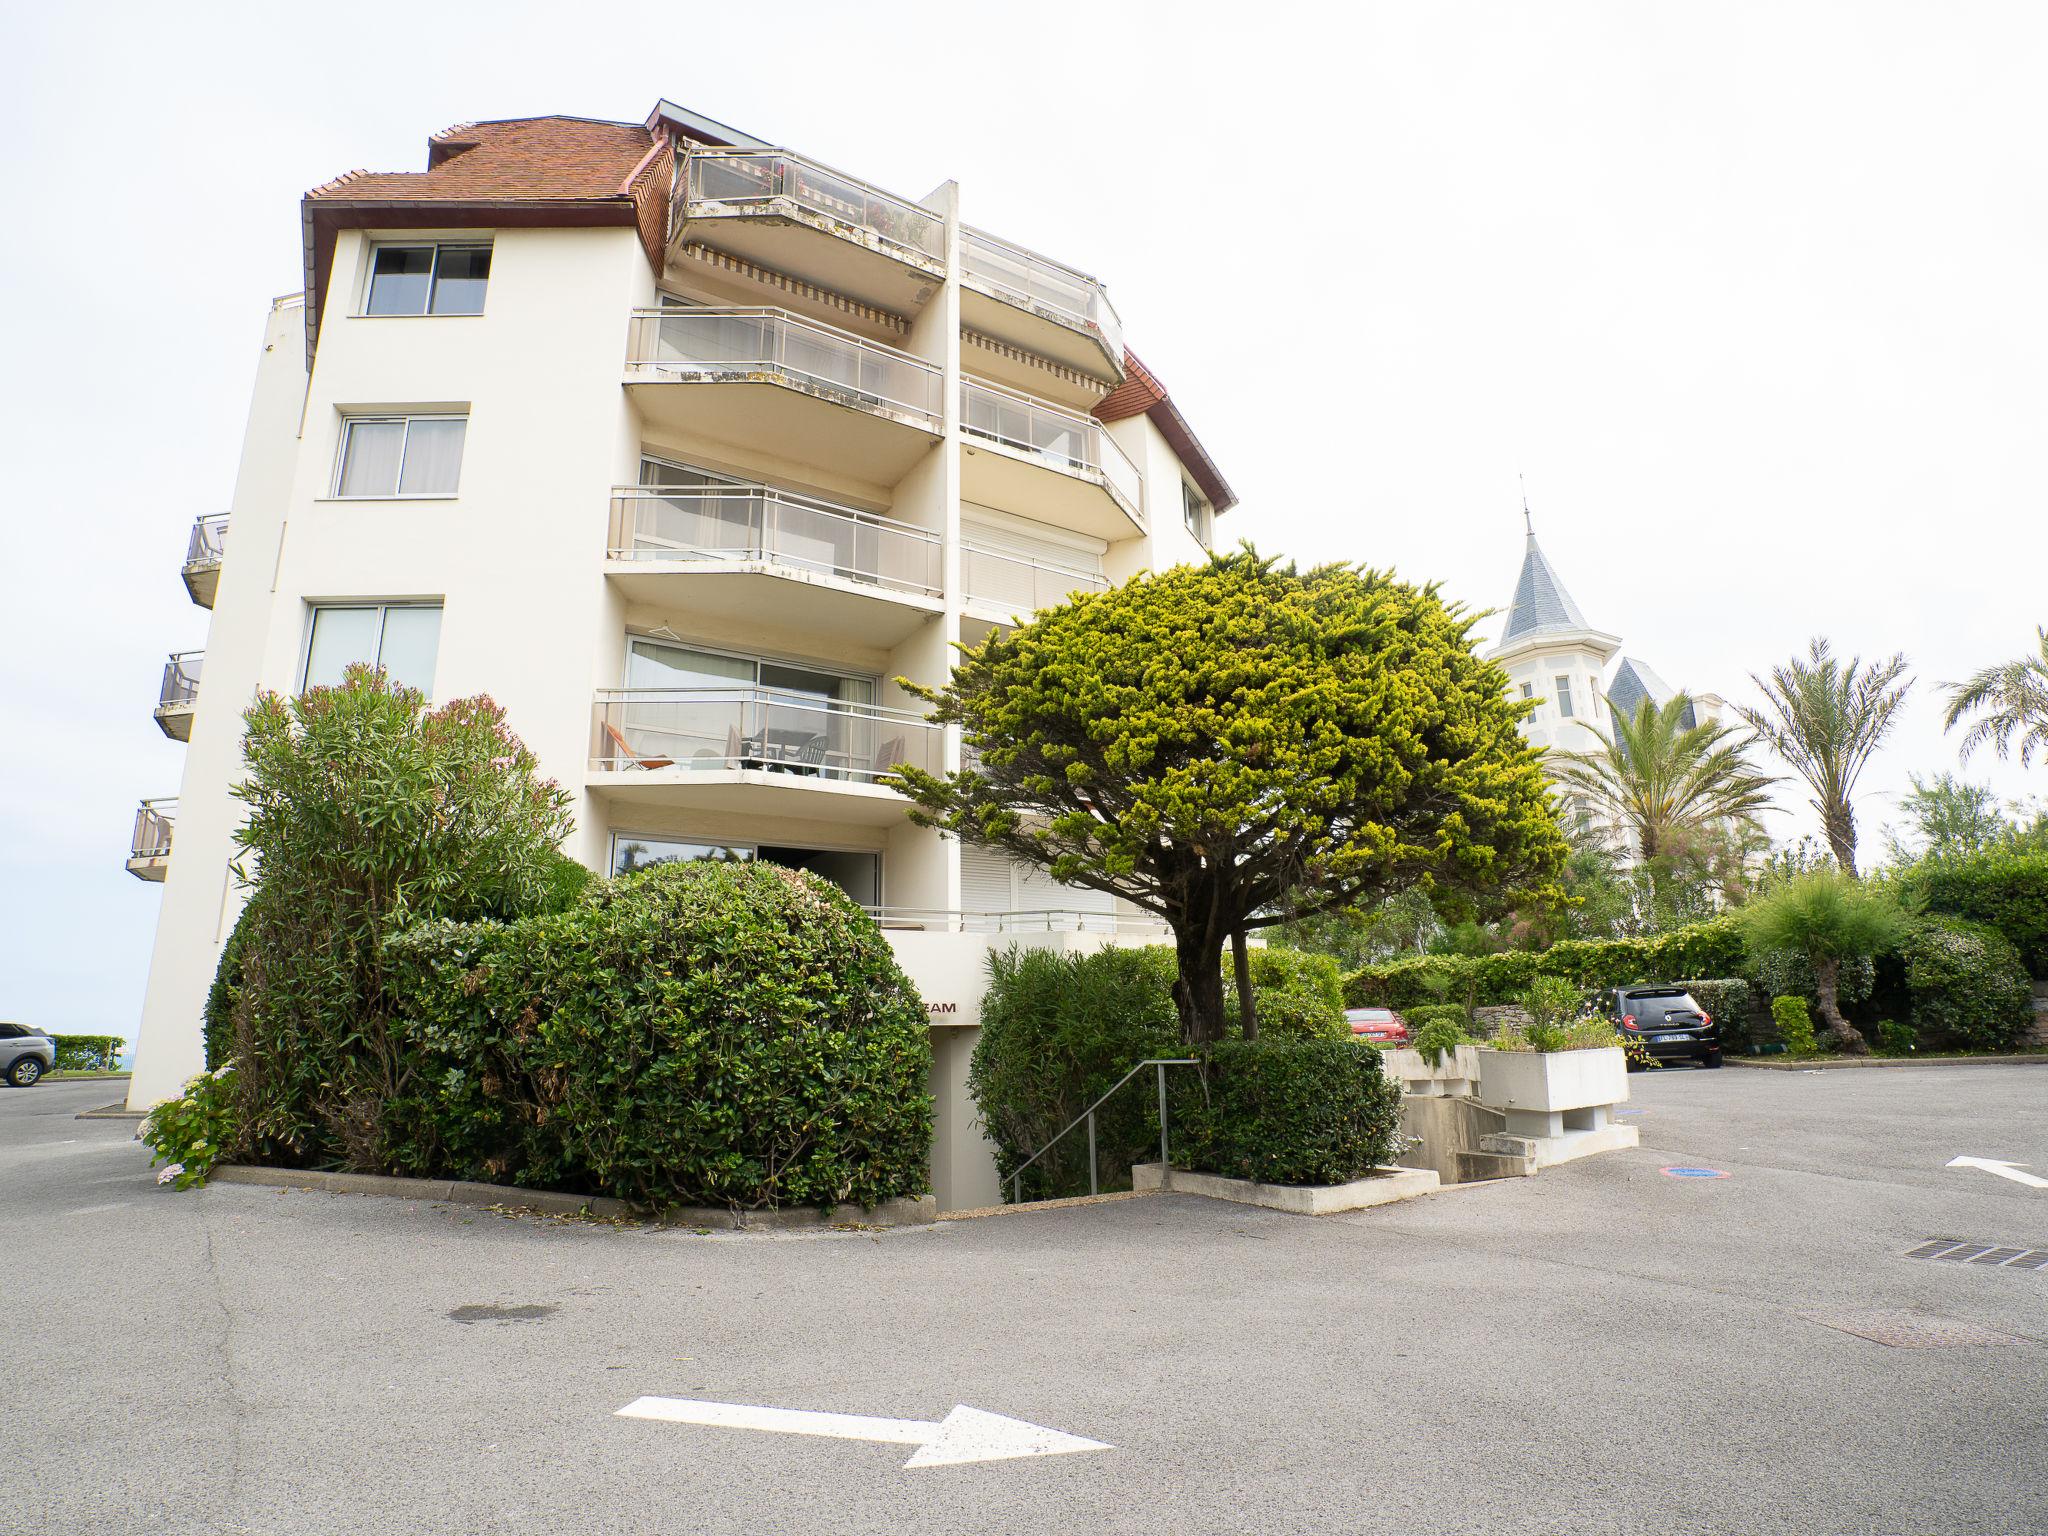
<point x="1842" y="1035"/>
<point x="1838" y="822"/>
<point x="1198" y="989"/>
<point x="1247" y="1006"/>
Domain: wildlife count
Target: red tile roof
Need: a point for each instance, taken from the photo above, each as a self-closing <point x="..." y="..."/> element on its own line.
<point x="518" y="172"/>
<point x="1142" y="394"/>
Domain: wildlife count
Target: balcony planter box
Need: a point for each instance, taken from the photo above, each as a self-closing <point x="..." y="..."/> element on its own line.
<point x="1454" y="1078"/>
<point x="1558" y="1104"/>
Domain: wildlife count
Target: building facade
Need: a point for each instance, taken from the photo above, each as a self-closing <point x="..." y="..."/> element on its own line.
<point x="683" y="448"/>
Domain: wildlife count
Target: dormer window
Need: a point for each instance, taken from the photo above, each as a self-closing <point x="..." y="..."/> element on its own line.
<point x="428" y="280"/>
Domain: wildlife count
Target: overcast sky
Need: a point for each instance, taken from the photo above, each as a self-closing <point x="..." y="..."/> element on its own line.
<point x="1752" y="294"/>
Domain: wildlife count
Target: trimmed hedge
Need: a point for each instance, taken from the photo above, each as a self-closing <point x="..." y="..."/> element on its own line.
<point x="2007" y="892"/>
<point x="86" y="1053"/>
<point x="1286" y="1112"/>
<point x="1967" y="986"/>
<point x="1297" y="995"/>
<point x="1421" y="1017"/>
<point x="1731" y="1003"/>
<point x="1712" y="948"/>
<point x="697" y="1034"/>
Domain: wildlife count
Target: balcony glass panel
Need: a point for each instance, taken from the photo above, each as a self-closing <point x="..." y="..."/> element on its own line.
<point x="1030" y="281"/>
<point x="739" y="179"/>
<point x="1076" y="444"/>
<point x="209" y="537"/>
<point x="152" y="835"/>
<point x="779" y="730"/>
<point x="1021" y="585"/>
<point x="755" y="523"/>
<point x="731" y="340"/>
<point x="181" y="680"/>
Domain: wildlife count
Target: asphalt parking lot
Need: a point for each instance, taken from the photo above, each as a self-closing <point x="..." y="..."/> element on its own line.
<point x="1603" y="1348"/>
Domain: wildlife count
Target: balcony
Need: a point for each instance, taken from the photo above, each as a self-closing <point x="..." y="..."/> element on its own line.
<point x="794" y="215"/>
<point x="755" y="750"/>
<point x="179" y="694"/>
<point x="733" y="551"/>
<point x="149" y="849"/>
<point x="203" y="553"/>
<point x="769" y="382"/>
<point x="1054" y="465"/>
<point x="1021" y="297"/>
<point x="1006" y="587"/>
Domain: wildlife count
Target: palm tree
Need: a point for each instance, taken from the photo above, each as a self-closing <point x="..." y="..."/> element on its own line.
<point x="1825" y="718"/>
<point x="1665" y="781"/>
<point x="2014" y="699"/>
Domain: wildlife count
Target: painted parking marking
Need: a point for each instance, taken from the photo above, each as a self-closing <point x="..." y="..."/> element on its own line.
<point x="964" y="1435"/>
<point x="1694" y="1173"/>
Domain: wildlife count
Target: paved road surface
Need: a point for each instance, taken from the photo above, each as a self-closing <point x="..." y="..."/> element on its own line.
<point x="1600" y="1349"/>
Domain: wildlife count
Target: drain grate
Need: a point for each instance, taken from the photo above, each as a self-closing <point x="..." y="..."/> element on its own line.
<point x="1949" y="1250"/>
<point x="1909" y="1330"/>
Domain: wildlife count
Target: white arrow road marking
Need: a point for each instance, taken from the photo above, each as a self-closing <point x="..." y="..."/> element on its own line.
<point x="2003" y="1170"/>
<point x="965" y="1434"/>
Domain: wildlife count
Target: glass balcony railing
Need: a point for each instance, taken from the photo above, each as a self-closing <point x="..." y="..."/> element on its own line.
<point x="152" y="836"/>
<point x="180" y="689"/>
<point x="735" y="343"/>
<point x="755" y="522"/>
<point x="1074" y="443"/>
<point x="780" y="731"/>
<point x="1032" y="282"/>
<point x="1019" y="585"/>
<point x="728" y="182"/>
<point x="208" y="541"/>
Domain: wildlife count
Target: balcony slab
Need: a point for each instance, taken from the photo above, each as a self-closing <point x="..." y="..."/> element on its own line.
<point x="1030" y="485"/>
<point x="748" y="792"/>
<point x="832" y="607"/>
<point x="786" y="418"/>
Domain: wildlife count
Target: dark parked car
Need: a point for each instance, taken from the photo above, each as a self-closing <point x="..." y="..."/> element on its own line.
<point x="25" y="1054"/>
<point x="1668" y="1023"/>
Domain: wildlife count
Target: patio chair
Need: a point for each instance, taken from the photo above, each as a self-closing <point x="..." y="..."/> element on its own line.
<point x="624" y="750"/>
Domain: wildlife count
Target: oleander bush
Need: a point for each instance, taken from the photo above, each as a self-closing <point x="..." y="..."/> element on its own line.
<point x="734" y="1035"/>
<point x="86" y="1053"/>
<point x="1287" y="1112"/>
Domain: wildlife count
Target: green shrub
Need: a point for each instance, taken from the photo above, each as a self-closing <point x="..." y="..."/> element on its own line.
<point x="1298" y="996"/>
<point x="1420" y="1018"/>
<point x="191" y="1133"/>
<point x="1057" y="1030"/>
<point x="1788" y="973"/>
<point x="1795" y="1025"/>
<point x="1730" y="1002"/>
<point x="1287" y="1112"/>
<point x="366" y="812"/>
<point x="1547" y="1039"/>
<point x="1712" y="948"/>
<point x="2004" y="891"/>
<point x="1439" y="1038"/>
<point x="1896" y="1039"/>
<point x="86" y="1053"/>
<point x="217" y="1016"/>
<point x="734" y="1035"/>
<point x="1967" y="986"/>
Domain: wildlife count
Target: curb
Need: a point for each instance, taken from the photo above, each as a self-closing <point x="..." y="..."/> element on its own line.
<point x="890" y="1213"/>
<point x="1064" y="1203"/>
<point x="1793" y="1064"/>
<point x="118" y="1110"/>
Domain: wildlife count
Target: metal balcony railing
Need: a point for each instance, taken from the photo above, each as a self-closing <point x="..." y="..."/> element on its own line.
<point x="773" y="729"/>
<point x="1045" y="920"/>
<point x="152" y="836"/>
<point x="1064" y="439"/>
<point x="755" y="522"/>
<point x="740" y="344"/>
<point x="208" y="541"/>
<point x="729" y="182"/>
<point x="180" y="688"/>
<point x="1036" y="283"/>
<point x="1018" y="584"/>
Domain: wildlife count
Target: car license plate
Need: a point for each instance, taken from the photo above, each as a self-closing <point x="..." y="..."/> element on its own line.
<point x="1662" y="1039"/>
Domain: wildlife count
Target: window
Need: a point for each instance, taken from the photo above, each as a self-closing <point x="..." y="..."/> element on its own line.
<point x="428" y="280"/>
<point x="384" y="456"/>
<point x="402" y="638"/>
<point x="857" y="874"/>
<point x="1564" y="697"/>
<point x="1195" y="513"/>
<point x="1528" y="690"/>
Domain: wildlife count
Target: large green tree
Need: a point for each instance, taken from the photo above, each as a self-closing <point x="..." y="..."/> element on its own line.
<point x="1825" y="717"/>
<point x="2012" y="698"/>
<point x="1234" y="744"/>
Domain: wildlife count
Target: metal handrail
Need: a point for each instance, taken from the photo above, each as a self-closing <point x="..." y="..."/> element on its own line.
<point x="1088" y="1114"/>
<point x="654" y="331"/>
<point x="1098" y="315"/>
<point x="1096" y="453"/>
<point x="744" y="521"/>
<point x="765" y="175"/>
<point x="181" y="679"/>
<point x="1025" y="920"/>
<point x="972" y="555"/>
<point x="154" y="821"/>
<point x="208" y="540"/>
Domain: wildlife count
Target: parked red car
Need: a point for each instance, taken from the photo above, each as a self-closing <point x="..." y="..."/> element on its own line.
<point x="1382" y="1026"/>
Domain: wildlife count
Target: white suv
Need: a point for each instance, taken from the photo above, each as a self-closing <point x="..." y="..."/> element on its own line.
<point x="25" y="1054"/>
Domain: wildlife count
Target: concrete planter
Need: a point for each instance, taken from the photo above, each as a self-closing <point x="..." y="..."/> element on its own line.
<point x="1452" y="1079"/>
<point x="1383" y="1187"/>
<point x="1558" y="1104"/>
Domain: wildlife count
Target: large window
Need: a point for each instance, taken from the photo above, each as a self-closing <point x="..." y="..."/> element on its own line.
<point x="383" y="456"/>
<point x="402" y="638"/>
<point x="857" y="874"/>
<point x="1564" y="697"/>
<point x="428" y="280"/>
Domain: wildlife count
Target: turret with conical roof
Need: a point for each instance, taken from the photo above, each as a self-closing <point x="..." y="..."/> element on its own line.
<point x="1552" y="655"/>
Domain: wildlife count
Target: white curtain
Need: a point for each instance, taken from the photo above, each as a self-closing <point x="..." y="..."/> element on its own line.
<point x="433" y="456"/>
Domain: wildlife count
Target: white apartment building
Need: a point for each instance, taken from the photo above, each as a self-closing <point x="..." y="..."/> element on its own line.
<point x="683" y="448"/>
